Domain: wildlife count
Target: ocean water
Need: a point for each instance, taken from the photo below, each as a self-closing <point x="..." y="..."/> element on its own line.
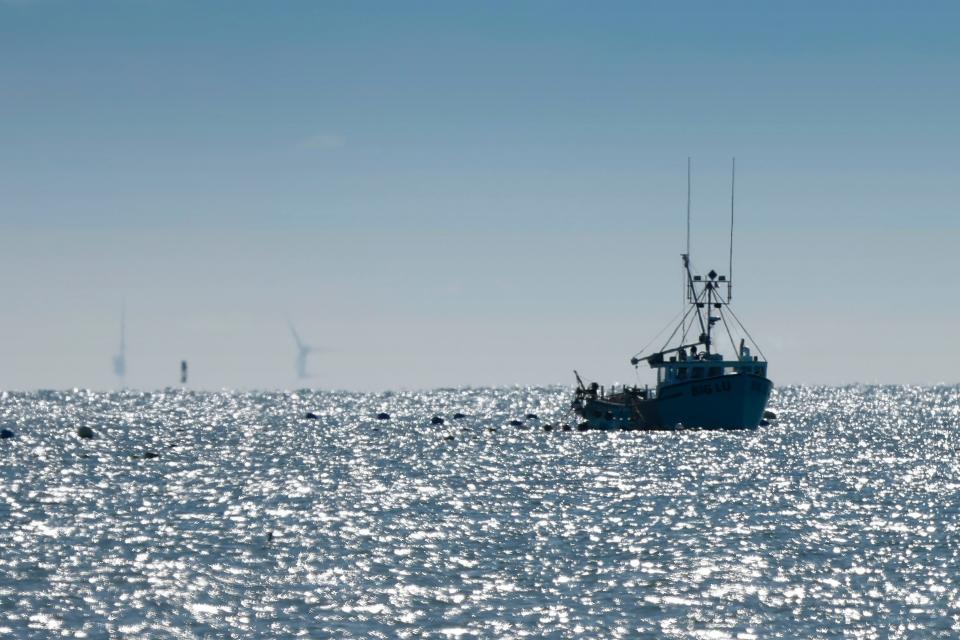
<point x="245" y="519"/>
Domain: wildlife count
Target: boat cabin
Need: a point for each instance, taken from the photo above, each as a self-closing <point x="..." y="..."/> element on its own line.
<point x="695" y="366"/>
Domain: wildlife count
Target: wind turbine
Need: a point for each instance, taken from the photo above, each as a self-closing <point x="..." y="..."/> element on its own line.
<point x="120" y="360"/>
<point x="303" y="351"/>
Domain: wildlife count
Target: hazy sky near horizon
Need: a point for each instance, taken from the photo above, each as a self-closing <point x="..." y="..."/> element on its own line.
<point x="449" y="193"/>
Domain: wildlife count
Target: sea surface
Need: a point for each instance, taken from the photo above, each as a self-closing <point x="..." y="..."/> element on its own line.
<point x="233" y="515"/>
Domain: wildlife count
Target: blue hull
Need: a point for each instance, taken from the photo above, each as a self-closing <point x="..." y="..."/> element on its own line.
<point x="735" y="401"/>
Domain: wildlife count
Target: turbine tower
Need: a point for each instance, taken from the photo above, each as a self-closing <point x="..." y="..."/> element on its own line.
<point x="120" y="360"/>
<point x="303" y="351"/>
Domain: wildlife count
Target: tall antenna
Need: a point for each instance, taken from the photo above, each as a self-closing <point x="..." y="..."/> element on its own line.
<point x="688" y="206"/>
<point x="686" y="292"/>
<point x="733" y="184"/>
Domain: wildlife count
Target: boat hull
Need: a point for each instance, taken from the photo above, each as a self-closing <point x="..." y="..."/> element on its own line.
<point x="735" y="401"/>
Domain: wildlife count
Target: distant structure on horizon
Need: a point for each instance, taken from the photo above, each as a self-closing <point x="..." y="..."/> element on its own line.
<point x="120" y="360"/>
<point x="303" y="351"/>
<point x="183" y="372"/>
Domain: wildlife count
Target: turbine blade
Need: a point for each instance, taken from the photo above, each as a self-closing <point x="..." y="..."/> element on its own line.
<point x="296" y="336"/>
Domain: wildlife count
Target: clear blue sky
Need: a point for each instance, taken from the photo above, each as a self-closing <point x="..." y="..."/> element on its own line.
<point x="450" y="193"/>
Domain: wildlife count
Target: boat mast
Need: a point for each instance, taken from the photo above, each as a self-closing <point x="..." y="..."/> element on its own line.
<point x="695" y="301"/>
<point x="711" y="288"/>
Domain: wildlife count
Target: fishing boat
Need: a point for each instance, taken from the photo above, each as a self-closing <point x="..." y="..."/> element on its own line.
<point x="696" y="386"/>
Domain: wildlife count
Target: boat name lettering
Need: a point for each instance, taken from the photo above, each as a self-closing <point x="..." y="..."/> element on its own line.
<point x="704" y="389"/>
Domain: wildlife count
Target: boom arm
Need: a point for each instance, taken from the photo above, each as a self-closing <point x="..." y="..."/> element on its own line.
<point x="656" y="358"/>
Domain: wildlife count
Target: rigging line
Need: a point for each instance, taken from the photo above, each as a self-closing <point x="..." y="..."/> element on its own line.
<point x="660" y="333"/>
<point x="754" y="342"/>
<point x="686" y="330"/>
<point x="730" y="335"/>
<point x="686" y="296"/>
<point x="689" y="325"/>
<point x="688" y="271"/>
<point x="692" y="308"/>
<point x="675" y="331"/>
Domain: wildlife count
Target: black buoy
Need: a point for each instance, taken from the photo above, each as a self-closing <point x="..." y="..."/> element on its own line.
<point x="516" y="423"/>
<point x="769" y="415"/>
<point x="459" y="416"/>
<point x="383" y="416"/>
<point x="548" y="427"/>
<point x="6" y="434"/>
<point x="311" y="416"/>
<point x="149" y="455"/>
<point x="85" y="432"/>
<point x="491" y="429"/>
<point x="532" y="416"/>
<point x="436" y="420"/>
<point x="566" y="427"/>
